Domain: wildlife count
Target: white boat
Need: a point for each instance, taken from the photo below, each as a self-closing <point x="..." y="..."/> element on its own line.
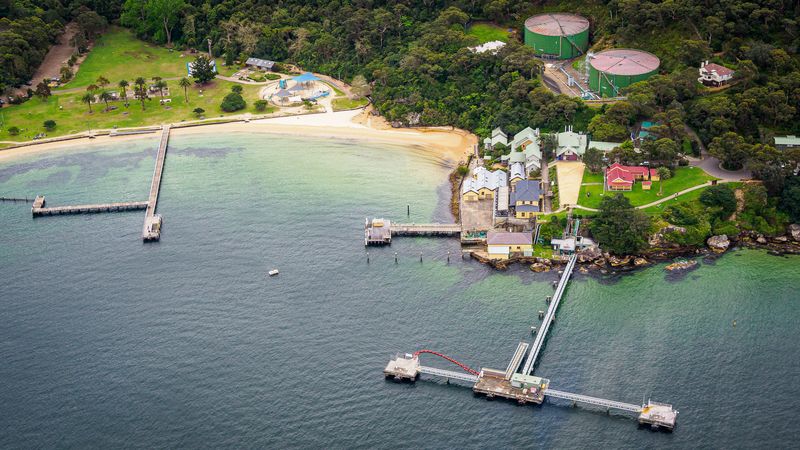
<point x="273" y="272"/>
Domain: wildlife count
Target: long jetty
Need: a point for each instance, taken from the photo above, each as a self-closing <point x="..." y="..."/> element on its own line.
<point x="88" y="209"/>
<point x="151" y="231"/>
<point x="425" y="229"/>
<point x="525" y="387"/>
<point x="549" y="316"/>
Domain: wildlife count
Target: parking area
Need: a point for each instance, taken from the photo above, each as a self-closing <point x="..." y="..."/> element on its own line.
<point x="477" y="215"/>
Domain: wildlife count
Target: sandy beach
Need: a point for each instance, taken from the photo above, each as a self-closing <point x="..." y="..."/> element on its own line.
<point x="452" y="146"/>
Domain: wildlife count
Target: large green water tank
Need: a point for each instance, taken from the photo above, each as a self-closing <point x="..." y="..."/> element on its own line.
<point x="557" y="35"/>
<point x="612" y="70"/>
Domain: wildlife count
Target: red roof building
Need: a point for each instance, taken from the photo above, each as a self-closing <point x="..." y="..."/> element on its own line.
<point x="622" y="178"/>
<point x="714" y="74"/>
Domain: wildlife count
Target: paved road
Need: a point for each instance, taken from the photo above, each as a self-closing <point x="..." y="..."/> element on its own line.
<point x="711" y="165"/>
<point x="665" y="199"/>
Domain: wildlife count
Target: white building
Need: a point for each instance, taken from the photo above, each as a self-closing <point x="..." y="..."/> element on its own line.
<point x="604" y="146"/>
<point x="498" y="137"/>
<point x="714" y="74"/>
<point x="571" y="145"/>
<point x="516" y="172"/>
<point x="483" y="184"/>
<point x="527" y="141"/>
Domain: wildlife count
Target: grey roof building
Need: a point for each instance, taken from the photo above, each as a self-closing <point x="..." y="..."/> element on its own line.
<point x="260" y="63"/>
<point x="526" y="191"/>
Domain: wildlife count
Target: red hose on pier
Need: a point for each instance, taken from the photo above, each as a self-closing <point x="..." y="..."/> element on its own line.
<point x="463" y="366"/>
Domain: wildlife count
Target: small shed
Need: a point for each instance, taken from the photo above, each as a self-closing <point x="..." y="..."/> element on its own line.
<point x="258" y="63"/>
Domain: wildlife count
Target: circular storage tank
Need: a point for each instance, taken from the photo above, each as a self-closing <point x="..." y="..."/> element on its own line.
<point x="557" y="35"/>
<point x="612" y="70"/>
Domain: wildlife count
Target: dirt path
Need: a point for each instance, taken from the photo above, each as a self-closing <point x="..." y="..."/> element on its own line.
<point x="57" y="56"/>
<point x="570" y="176"/>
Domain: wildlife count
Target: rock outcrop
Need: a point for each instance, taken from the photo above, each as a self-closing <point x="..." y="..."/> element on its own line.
<point x="794" y="232"/>
<point x="589" y="254"/>
<point x="639" y="262"/>
<point x="539" y="267"/>
<point x="618" y="262"/>
<point x="681" y="265"/>
<point x="718" y="244"/>
<point x="659" y="240"/>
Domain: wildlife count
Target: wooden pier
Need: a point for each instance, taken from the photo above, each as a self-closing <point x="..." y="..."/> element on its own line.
<point x="425" y="229"/>
<point x="151" y="231"/>
<point x="16" y="199"/>
<point x="381" y="231"/>
<point x="88" y="209"/>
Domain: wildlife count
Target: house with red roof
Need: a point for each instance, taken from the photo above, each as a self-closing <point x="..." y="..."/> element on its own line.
<point x="622" y="178"/>
<point x="714" y="74"/>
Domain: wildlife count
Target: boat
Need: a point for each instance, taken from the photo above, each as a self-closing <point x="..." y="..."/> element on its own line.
<point x="273" y="272"/>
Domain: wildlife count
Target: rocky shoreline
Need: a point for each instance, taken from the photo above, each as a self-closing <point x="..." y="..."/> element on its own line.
<point x="594" y="260"/>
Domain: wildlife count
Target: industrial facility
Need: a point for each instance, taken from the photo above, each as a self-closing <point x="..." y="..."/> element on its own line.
<point x="612" y="70"/>
<point x="557" y="35"/>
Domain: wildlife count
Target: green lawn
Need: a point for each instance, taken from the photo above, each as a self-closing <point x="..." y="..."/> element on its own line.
<point x="119" y="55"/>
<point x="686" y="198"/>
<point x="487" y="32"/>
<point x="589" y="177"/>
<point x="343" y="104"/>
<point x="542" y="251"/>
<point x="72" y="116"/>
<point x="685" y="177"/>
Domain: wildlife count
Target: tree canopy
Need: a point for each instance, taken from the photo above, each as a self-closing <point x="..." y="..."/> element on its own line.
<point x="619" y="227"/>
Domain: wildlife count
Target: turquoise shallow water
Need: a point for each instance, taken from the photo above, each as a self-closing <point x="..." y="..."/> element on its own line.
<point x="107" y="342"/>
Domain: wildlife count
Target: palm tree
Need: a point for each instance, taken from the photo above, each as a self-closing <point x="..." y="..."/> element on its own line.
<point x="105" y="96"/>
<point x="91" y="88"/>
<point x="123" y="89"/>
<point x="88" y="98"/>
<point x="102" y="81"/>
<point x="161" y="85"/>
<point x="140" y="91"/>
<point x="185" y="83"/>
<point x="663" y="174"/>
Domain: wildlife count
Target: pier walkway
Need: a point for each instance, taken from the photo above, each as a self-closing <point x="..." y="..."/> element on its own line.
<point x="380" y="231"/>
<point x="152" y="221"/>
<point x="425" y="229"/>
<point x="547" y="320"/>
<point x="449" y="374"/>
<point x="578" y="398"/>
<point x="88" y="209"/>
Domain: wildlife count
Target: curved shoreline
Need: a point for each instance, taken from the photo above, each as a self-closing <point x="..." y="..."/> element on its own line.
<point x="453" y="145"/>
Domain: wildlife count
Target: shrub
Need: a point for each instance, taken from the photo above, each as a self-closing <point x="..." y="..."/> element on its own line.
<point x="721" y="197"/>
<point x="198" y="111"/>
<point x="49" y="125"/>
<point x="272" y="76"/>
<point x="233" y="102"/>
<point x="13" y="131"/>
<point x="725" y="227"/>
<point x="237" y="89"/>
<point x="463" y="170"/>
<point x="261" y="105"/>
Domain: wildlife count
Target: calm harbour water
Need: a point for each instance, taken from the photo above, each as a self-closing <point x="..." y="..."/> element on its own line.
<point x="106" y="342"/>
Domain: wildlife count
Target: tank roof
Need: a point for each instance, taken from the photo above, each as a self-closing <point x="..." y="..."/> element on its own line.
<point x="623" y="61"/>
<point x="557" y="24"/>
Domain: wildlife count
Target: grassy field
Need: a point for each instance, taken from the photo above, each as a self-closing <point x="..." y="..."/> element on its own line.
<point x="589" y="177"/>
<point x="685" y="177"/>
<point x="343" y="104"/>
<point x="686" y="198"/>
<point x="72" y="116"/>
<point x="118" y="55"/>
<point x="486" y="32"/>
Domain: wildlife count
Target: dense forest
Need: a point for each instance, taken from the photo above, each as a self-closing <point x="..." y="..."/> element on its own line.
<point x="414" y="52"/>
